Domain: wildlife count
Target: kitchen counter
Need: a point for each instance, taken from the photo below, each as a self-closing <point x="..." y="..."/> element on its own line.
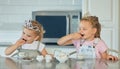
<point x="50" y="48"/>
<point x="14" y="63"/>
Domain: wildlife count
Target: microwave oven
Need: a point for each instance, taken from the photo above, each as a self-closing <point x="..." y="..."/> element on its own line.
<point x="57" y="23"/>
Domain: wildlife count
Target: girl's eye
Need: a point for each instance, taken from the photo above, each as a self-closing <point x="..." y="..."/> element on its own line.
<point x="84" y="29"/>
<point x="79" y="29"/>
<point x="28" y="35"/>
<point x="23" y="32"/>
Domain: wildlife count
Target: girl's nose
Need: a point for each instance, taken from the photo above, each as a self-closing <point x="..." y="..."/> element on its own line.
<point x="80" y="31"/>
<point x="24" y="37"/>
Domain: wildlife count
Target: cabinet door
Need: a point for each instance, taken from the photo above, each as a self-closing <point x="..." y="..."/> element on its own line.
<point x="107" y="11"/>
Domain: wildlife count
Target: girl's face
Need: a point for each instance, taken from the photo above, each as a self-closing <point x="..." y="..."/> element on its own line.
<point x="86" y="30"/>
<point x="29" y="35"/>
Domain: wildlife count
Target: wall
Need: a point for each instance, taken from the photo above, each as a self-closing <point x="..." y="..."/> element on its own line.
<point x="119" y="24"/>
<point x="13" y="13"/>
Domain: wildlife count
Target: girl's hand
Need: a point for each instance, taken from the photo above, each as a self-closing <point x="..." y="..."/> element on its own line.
<point x="20" y="42"/>
<point x="76" y="36"/>
<point x="113" y="58"/>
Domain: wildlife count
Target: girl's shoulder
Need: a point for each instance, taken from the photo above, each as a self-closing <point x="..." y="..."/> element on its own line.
<point x="42" y="44"/>
<point x="39" y="42"/>
<point x="101" y="43"/>
<point x="98" y="40"/>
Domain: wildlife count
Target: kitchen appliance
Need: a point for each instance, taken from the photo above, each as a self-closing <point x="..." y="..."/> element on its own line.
<point x="57" y="23"/>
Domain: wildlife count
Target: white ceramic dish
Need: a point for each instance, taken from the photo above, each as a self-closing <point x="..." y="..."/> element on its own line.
<point x="40" y="58"/>
<point x="61" y="56"/>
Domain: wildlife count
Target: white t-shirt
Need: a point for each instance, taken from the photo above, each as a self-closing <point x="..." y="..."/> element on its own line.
<point x="34" y="46"/>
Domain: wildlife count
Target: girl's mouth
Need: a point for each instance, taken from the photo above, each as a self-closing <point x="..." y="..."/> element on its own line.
<point x="82" y="35"/>
<point x="24" y="39"/>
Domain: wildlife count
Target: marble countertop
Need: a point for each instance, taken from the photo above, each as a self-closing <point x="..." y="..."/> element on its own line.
<point x="14" y="63"/>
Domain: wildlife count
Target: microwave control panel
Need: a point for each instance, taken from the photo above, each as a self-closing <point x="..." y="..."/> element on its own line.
<point x="74" y="23"/>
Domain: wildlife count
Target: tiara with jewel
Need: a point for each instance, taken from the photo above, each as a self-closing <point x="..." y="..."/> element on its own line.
<point x="28" y="24"/>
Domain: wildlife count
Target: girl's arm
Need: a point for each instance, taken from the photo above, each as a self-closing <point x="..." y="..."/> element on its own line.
<point x="105" y="55"/>
<point x="13" y="47"/>
<point x="44" y="52"/>
<point x="66" y="40"/>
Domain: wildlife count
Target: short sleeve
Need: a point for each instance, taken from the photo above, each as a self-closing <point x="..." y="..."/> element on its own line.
<point x="101" y="46"/>
<point x="76" y="43"/>
<point x="41" y="47"/>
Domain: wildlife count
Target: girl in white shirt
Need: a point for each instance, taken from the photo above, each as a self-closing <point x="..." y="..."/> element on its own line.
<point x="31" y="36"/>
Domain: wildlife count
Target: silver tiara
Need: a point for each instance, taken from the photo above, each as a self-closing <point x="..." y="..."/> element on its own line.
<point x="28" y="24"/>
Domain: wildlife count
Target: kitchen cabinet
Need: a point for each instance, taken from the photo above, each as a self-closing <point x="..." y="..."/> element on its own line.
<point x="108" y="13"/>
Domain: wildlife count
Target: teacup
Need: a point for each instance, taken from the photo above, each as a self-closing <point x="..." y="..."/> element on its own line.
<point x="40" y="58"/>
<point x="48" y="58"/>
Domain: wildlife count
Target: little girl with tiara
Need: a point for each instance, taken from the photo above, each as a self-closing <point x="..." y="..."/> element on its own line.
<point x="31" y="38"/>
<point x="87" y="40"/>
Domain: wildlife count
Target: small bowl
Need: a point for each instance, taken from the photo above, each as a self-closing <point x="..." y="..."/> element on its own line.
<point x="40" y="58"/>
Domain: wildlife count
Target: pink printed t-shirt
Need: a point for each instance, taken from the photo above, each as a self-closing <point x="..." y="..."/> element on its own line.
<point x="99" y="48"/>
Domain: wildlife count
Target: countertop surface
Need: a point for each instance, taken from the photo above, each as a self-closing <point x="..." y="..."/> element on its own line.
<point x="15" y="63"/>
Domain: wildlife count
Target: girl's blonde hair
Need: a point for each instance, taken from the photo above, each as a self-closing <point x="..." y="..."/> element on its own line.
<point x="35" y="26"/>
<point x="95" y="24"/>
